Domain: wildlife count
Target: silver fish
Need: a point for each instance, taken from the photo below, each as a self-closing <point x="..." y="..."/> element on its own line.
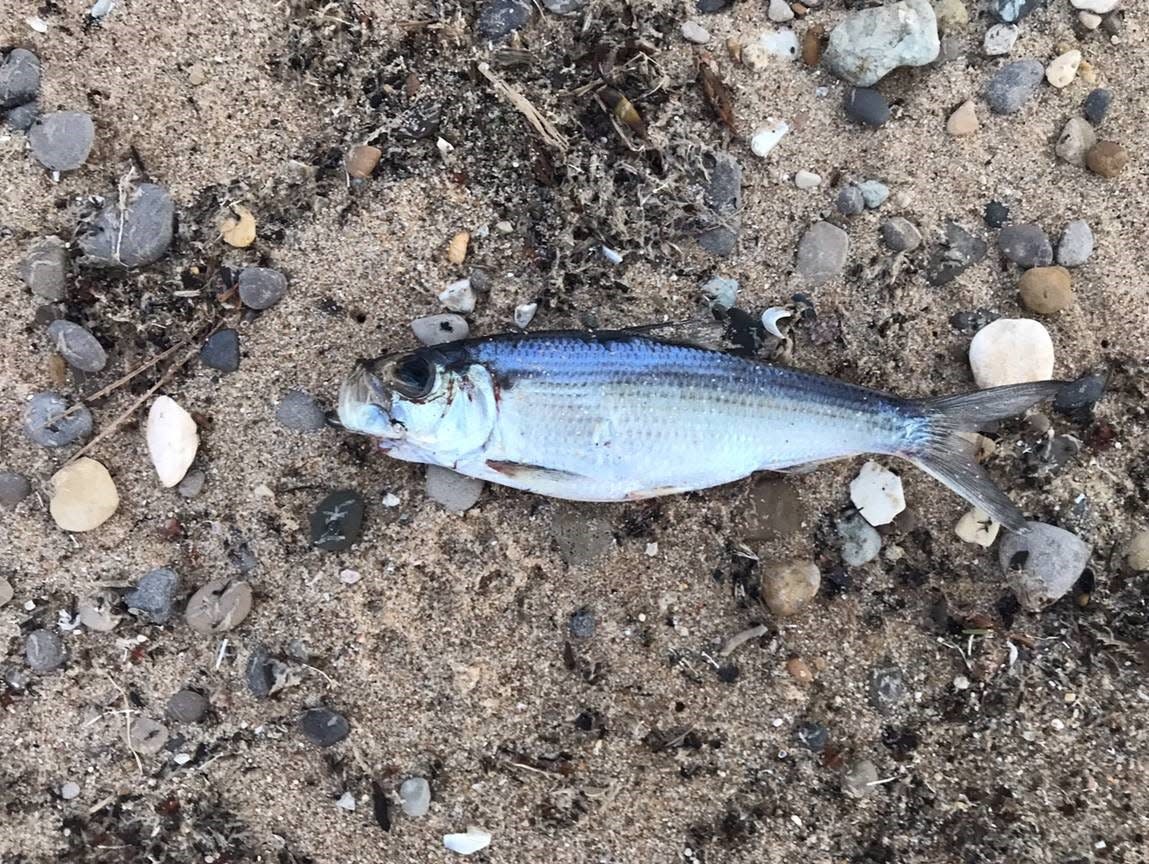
<point x="622" y="416"/>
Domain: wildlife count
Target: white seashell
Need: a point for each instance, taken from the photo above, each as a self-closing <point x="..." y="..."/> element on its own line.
<point x="173" y="440"/>
<point x="766" y="138"/>
<point x="459" y="297"/>
<point x="474" y="840"/>
<point x="877" y="493"/>
<point x="772" y="316"/>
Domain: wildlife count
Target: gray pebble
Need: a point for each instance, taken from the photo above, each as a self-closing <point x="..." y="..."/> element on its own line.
<point x="1012" y="11"/>
<point x="21" y="118"/>
<point x="147" y="736"/>
<point x="867" y="106"/>
<point x="1096" y="105"/>
<point x="1076" y="244"/>
<point x="299" y="411"/>
<point x="861" y="779"/>
<point x="901" y="234"/>
<point x="45" y="424"/>
<point x="43" y="651"/>
<point x="7" y="592"/>
<point x="62" y="140"/>
<point x="265" y="674"/>
<point x="45" y="268"/>
<point x="97" y="611"/>
<point x="850" y="201"/>
<point x="453" y="491"/>
<point x="323" y="727"/>
<point x="1013" y="85"/>
<point x="337" y="522"/>
<point x="415" y="793"/>
<point x="437" y="329"/>
<point x="1026" y="245"/>
<point x="869" y="43"/>
<point x="959" y="251"/>
<point x="1043" y="565"/>
<point x="1076" y="137"/>
<point x="70" y="791"/>
<point x="221" y="351"/>
<point x="721" y="292"/>
<point x="874" y="193"/>
<point x="14" y="488"/>
<point x="582" y="624"/>
<point x="192" y="484"/>
<point x="724" y="199"/>
<point x="218" y="606"/>
<point x="19" y="78"/>
<point x="261" y="287"/>
<point x="187" y="706"/>
<point x="497" y="19"/>
<point x="822" y="253"/>
<point x="77" y="346"/>
<point x="887" y="689"/>
<point x="154" y="596"/>
<point x="146" y="233"/>
<point x="564" y="7"/>
<point x="860" y="541"/>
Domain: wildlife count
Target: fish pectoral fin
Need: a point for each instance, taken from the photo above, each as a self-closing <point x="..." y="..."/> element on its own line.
<point x="656" y="492"/>
<point x="527" y="473"/>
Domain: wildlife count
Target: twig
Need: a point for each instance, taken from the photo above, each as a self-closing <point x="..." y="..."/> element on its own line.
<point x="128" y="723"/>
<point x="738" y="639"/>
<point x="542" y="125"/>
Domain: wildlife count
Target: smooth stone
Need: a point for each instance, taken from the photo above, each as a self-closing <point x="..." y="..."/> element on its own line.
<point x="877" y="493"/>
<point x="1012" y="86"/>
<point x="221" y="351"/>
<point x="774" y="511"/>
<point x="44" y="651"/>
<point x="21" y="118"/>
<point x="77" y="346"/>
<point x="1096" y="105"/>
<point x="694" y="32"/>
<point x="1063" y="69"/>
<point x="867" y="106"/>
<point x="7" y="592"/>
<point x="415" y="795"/>
<point x="978" y="528"/>
<point x="565" y="7"/>
<point x="524" y="314"/>
<point x="19" y="78"/>
<point x="874" y="193"/>
<point x="1011" y="351"/>
<point x="963" y="121"/>
<point x="147" y="736"/>
<point x="300" y="412"/>
<point x="192" y="484"/>
<point x="870" y="43"/>
<point x="14" y="488"/>
<point x="996" y="214"/>
<point x="70" y="791"/>
<point x="807" y="180"/>
<point x="62" y="140"/>
<point x="1106" y="159"/>
<point x="323" y="727"/>
<point x="767" y="137"/>
<point x="900" y="234"/>
<point x="45" y="424"/>
<point x="723" y="197"/>
<point x="187" y="706"/>
<point x="1000" y="39"/>
<point x="337" y="521"/>
<point x="771" y="47"/>
<point x="99" y="611"/>
<point x="1089" y="20"/>
<point x="475" y="839"/>
<point x="1013" y="10"/>
<point x="261" y="287"/>
<point x="959" y="251"/>
<point x="45" y="268"/>
<point x="459" y="296"/>
<point x="1076" y="137"/>
<point x="1043" y="565"/>
<point x="812" y="736"/>
<point x="860" y="541"/>
<point x="779" y="11"/>
<point x="1097" y="7"/>
<point x="582" y="624"/>
<point x="154" y="596"/>
<point x="850" y="201"/>
<point x="438" y="329"/>
<point x="788" y="586"/>
<point x="82" y="495"/>
<point x="1076" y="244"/>
<point x="1078" y="397"/>
<point x="1026" y="245"/>
<point x="721" y="292"/>
<point x="1046" y="290"/>
<point x="218" y="606"/>
<point x="173" y="440"/>
<point x="861" y="779"/>
<point x="136" y="237"/>
<point x="1137" y="552"/>
<point x="822" y="253"/>
<point x="451" y="490"/>
<point x="888" y="690"/>
<point x="497" y="19"/>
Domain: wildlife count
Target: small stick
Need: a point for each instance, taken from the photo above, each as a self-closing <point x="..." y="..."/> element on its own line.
<point x="128" y="723"/>
<point x="745" y="636"/>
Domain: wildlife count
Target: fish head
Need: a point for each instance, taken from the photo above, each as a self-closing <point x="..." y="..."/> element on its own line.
<point x="420" y="401"/>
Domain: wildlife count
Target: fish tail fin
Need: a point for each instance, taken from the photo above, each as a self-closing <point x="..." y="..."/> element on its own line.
<point x="939" y="448"/>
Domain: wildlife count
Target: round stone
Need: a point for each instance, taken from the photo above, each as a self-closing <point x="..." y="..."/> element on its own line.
<point x="218" y="606"/>
<point x="963" y="121"/>
<point x="901" y="235"/>
<point x="45" y="268"/>
<point x="14" y="488"/>
<point x="147" y="736"/>
<point x="1011" y="351"/>
<point x="44" y="651"/>
<point x="187" y="706"/>
<point x="867" y="106"/>
<point x="77" y="346"/>
<point x="1096" y="105"/>
<point x="694" y="32"/>
<point x="850" y="201"/>
<point x="300" y="412"/>
<point x="1107" y="158"/>
<point x="70" y="791"/>
<point x="1076" y="138"/>
<point x="860" y="541"/>
<point x="807" y="179"/>
<point x="1137" y="552"/>
<point x="82" y="496"/>
<point x="582" y="624"/>
<point x="261" y="287"/>
<point x="438" y="329"/>
<point x="888" y="689"/>
<point x="221" y="351"/>
<point x="996" y="214"/>
<point x="1026" y="245"/>
<point x="1013" y="85"/>
<point x="415" y="795"/>
<point x="45" y="423"/>
<point x="19" y="78"/>
<point x="453" y="491"/>
<point x="1043" y="565"/>
<point x="134" y="236"/>
<point x="62" y="140"/>
<point x="1000" y="39"/>
<point x="861" y="779"/>
<point x="1046" y="290"/>
<point x="1063" y="69"/>
<point x="324" y="727"/>
<point x="978" y="528"/>
<point x="788" y="586"/>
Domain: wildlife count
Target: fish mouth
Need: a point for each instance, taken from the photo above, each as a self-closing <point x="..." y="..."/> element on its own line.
<point x="365" y="405"/>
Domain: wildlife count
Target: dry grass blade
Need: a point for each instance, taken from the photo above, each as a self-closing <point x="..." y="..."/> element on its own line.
<point x="544" y="127"/>
<point x="718" y="96"/>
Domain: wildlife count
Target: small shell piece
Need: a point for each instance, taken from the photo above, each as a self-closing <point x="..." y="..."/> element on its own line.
<point x="173" y="440"/>
<point x="772" y="316"/>
<point x="472" y="841"/>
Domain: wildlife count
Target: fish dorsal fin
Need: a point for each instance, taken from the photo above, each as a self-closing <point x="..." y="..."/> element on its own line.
<point x="735" y="332"/>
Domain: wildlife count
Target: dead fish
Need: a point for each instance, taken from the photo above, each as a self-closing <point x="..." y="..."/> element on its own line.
<point x="625" y="415"/>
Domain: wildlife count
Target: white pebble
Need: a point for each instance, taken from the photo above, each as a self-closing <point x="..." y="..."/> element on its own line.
<point x="779" y="11"/>
<point x="651" y="550"/>
<point x="771" y="46"/>
<point x="504" y="227"/>
<point x="459" y="297"/>
<point x="37" y="24"/>
<point x="1011" y="351"/>
<point x="877" y="493"/>
<point x="1000" y="39"/>
<point x="415" y="795"/>
<point x="1089" y="20"/>
<point x="349" y="577"/>
<point x="1099" y="7"/>
<point x="70" y="791"/>
<point x="694" y="32"/>
<point x="173" y="440"/>
<point x="766" y="138"/>
<point x="525" y="314"/>
<point x="474" y="840"/>
<point x="976" y="527"/>
<point x="346" y="802"/>
<point x="1063" y="69"/>
<point x="390" y="500"/>
<point x="807" y="180"/>
<point x="611" y="256"/>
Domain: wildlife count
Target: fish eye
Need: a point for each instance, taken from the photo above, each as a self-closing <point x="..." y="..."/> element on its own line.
<point x="412" y="376"/>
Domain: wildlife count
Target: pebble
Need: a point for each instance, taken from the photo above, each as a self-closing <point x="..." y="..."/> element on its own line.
<point x="44" y="651"/>
<point x="45" y="268"/>
<point x="822" y="253"/>
<point x="1076" y="244"/>
<point x="218" y="606"/>
<point x="173" y="440"/>
<point x="850" y="201"/>
<point x="147" y="736"/>
<point x="874" y="193"/>
<point x="192" y="484"/>
<point x="82" y="495"/>
<point x="582" y="624"/>
<point x="1046" y="290"/>
<point x="1106" y="158"/>
<point x="807" y="180"/>
<point x="952" y="15"/>
<point x="724" y="198"/>
<point x="138" y="236"/>
<point x="721" y="292"/>
<point x="860" y="541"/>
<point x="459" y="296"/>
<point x="451" y="490"/>
<point x="437" y="329"/>
<point x="1097" y="7"/>
<point x="812" y="45"/>
<point x="1000" y="39"/>
<point x="19" y="78"/>
<point x="237" y="226"/>
<point x="457" y="248"/>
<point x="154" y="596"/>
<point x="21" y="118"/>
<point x="524" y="314"/>
<point x="221" y="351"/>
<point x="1026" y="245"/>
<point x="1078" y="397"/>
<point x="694" y="32"/>
<point x="1089" y="20"/>
<point x="1063" y="69"/>
<point x="779" y="11"/>
<point x="77" y="346"/>
<point x="565" y="7"/>
<point x="877" y="493"/>
<point x="767" y="137"/>
<point x="415" y="795"/>
<point x="300" y="412"/>
<point x="770" y="48"/>
<point x="812" y="736"/>
<point x="70" y="791"/>
<point x="62" y="140"/>
<point x="1043" y="565"/>
<point x="861" y="779"/>
<point x="963" y="121"/>
<point x="323" y="727"/>
<point x="338" y="521"/>
<point x="888" y="689"/>
<point x="14" y="488"/>
<point x="869" y="43"/>
<point x="261" y="287"/>
<point x="901" y="235"/>
<point x="800" y="670"/>
<point x="1013" y="10"/>
<point x="7" y="592"/>
<point x="497" y="19"/>
<point x="867" y="106"/>
<point x="1136" y="553"/>
<point x="187" y="706"/>
<point x="1012" y="85"/>
<point x="996" y="214"/>
<point x="265" y="674"/>
<point x="788" y="586"/>
<point x="475" y="839"/>
<point x="98" y="610"/>
<point x="978" y="528"/>
<point x="1011" y="351"/>
<point x="1096" y="105"/>
<point x="361" y="161"/>
<point x="44" y="423"/>
<point x="1076" y="137"/>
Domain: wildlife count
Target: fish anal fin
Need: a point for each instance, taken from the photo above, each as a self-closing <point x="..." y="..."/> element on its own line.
<point x="655" y="492"/>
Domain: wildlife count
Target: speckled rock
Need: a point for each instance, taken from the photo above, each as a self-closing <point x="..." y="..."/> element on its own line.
<point x="1043" y="565"/>
<point x="77" y="346"/>
<point x="62" y="140"/>
<point x="437" y="329"/>
<point x="1107" y="159"/>
<point x="869" y="43"/>
<point x="1046" y="290"/>
<point x="45" y="268"/>
<point x="788" y="586"/>
<point x="1076" y="244"/>
<point x="218" y="606"/>
<point x="1013" y="85"/>
<point x="45" y="424"/>
<point x="901" y="235"/>
<point x="19" y="78"/>
<point x="860" y="541"/>
<point x="1076" y="137"/>
<point x="1026" y="245"/>
<point x="261" y="287"/>
<point x="497" y="19"/>
<point x="44" y="651"/>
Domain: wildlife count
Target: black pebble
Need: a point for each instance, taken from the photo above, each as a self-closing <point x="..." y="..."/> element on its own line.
<point x="887" y="689"/>
<point x="338" y="521"/>
<point x="582" y="624"/>
<point x="996" y="214"/>
<point x="713" y="5"/>
<point x="867" y="106"/>
<point x="812" y="736"/>
<point x="1078" y="397"/>
<point x="324" y="727"/>
<point x="221" y="351"/>
<point x="1097" y="105"/>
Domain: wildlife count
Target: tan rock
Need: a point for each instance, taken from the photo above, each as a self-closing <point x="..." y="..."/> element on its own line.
<point x="788" y="586"/>
<point x="1046" y="290"/>
<point x="963" y="121"/>
<point x="82" y="495"/>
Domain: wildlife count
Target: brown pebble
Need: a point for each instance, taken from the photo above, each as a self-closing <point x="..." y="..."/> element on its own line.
<point x="799" y="670"/>
<point x="799" y="9"/>
<point x="457" y="250"/>
<point x="1107" y="158"/>
<point x="812" y="44"/>
<point x="361" y="160"/>
<point x="734" y="49"/>
<point x="1046" y="290"/>
<point x="58" y="370"/>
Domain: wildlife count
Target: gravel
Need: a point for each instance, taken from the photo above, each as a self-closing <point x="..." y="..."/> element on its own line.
<point x="45" y="424"/>
<point x="14" y="488"/>
<point x="261" y="287"/>
<point x="154" y="596"/>
<point x="1096" y="105"/>
<point x="44" y="651"/>
<point x="135" y="237"/>
<point x="221" y="351"/>
<point x="187" y="706"/>
<point x="62" y="140"/>
<point x="300" y="412"/>
<point x="1026" y="245"/>
<point x="1013" y="85"/>
<point x="45" y="268"/>
<point x="323" y="727"/>
<point x="1075" y="247"/>
<point x="77" y="346"/>
<point x="959" y="251"/>
<point x="788" y="586"/>
<point x="850" y="201"/>
<point x="860" y="541"/>
<point x="901" y="235"/>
